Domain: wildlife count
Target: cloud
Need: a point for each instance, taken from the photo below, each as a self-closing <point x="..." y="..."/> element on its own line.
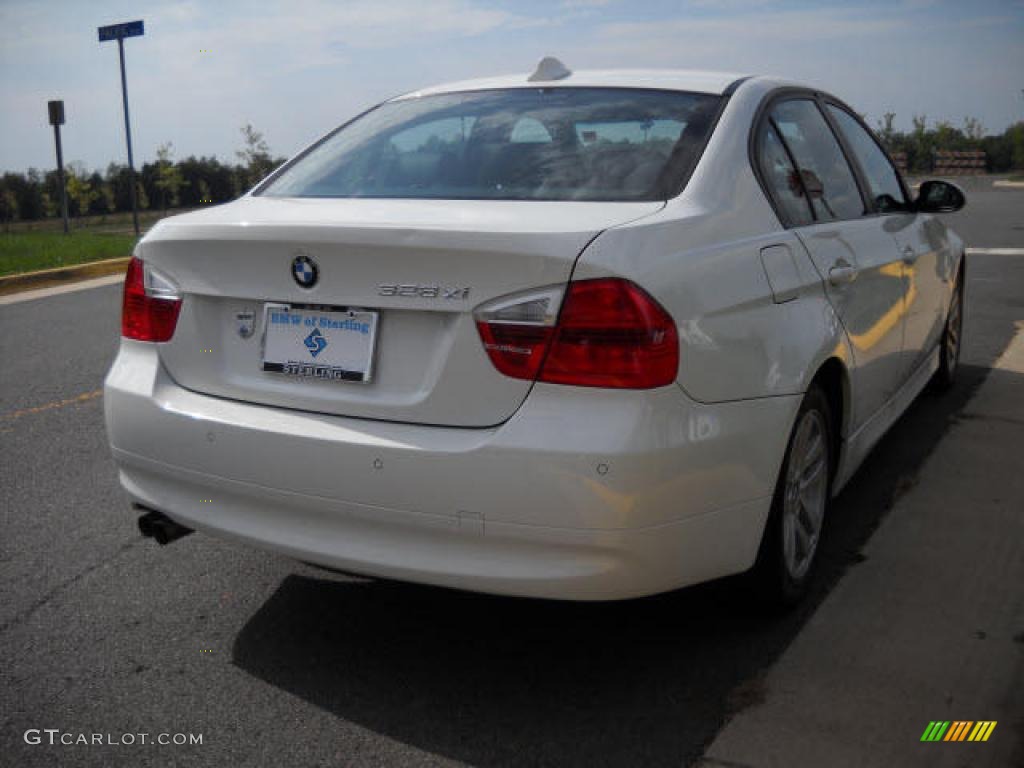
<point x="815" y="45"/>
<point x="729" y="5"/>
<point x="370" y="24"/>
<point x="574" y="5"/>
<point x="766" y="29"/>
<point x="296" y="68"/>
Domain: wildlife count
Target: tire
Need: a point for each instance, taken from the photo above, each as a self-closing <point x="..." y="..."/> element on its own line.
<point x="951" y="342"/>
<point x="789" y="546"/>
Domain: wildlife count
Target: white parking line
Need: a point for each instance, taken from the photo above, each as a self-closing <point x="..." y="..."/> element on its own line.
<point x="997" y="251"/>
<point x="42" y="293"/>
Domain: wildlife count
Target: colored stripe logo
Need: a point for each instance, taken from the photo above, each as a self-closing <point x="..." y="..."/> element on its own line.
<point x="958" y="730"/>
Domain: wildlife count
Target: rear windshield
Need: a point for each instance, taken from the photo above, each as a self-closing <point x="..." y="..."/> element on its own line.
<point x="515" y="144"/>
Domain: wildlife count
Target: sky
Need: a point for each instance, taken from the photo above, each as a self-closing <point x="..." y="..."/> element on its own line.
<point x="297" y="68"/>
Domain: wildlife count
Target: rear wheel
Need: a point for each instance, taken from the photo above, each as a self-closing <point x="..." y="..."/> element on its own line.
<point x="949" y="346"/>
<point x="790" y="542"/>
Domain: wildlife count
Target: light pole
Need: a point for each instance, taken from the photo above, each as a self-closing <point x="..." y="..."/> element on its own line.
<point x="119" y="32"/>
<point x="56" y="110"/>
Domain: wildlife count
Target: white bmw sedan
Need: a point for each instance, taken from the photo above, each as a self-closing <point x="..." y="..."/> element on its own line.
<point x="588" y="335"/>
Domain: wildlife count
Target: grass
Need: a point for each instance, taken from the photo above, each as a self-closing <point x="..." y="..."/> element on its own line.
<point x="26" y="246"/>
<point x="111" y="222"/>
<point x="29" y="251"/>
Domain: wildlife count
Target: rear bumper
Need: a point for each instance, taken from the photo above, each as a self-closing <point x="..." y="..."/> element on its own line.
<point x="582" y="494"/>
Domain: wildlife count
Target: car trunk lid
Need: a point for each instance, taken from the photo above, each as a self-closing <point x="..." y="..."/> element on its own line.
<point x="421" y="265"/>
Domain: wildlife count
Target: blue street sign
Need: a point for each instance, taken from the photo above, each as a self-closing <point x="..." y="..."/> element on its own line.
<point x="117" y="31"/>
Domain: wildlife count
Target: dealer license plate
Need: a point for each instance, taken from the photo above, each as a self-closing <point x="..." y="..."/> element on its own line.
<point x="335" y="344"/>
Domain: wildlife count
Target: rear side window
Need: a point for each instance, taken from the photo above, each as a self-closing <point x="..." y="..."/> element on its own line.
<point x="618" y="144"/>
<point x="883" y="183"/>
<point x="826" y="176"/>
<point x="781" y="177"/>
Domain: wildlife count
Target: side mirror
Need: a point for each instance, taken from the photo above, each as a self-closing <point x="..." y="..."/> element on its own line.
<point x="939" y="197"/>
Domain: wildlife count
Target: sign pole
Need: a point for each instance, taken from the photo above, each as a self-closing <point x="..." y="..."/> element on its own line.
<point x="56" y="110"/>
<point x="128" y="134"/>
<point x="60" y="176"/>
<point x="119" y="32"/>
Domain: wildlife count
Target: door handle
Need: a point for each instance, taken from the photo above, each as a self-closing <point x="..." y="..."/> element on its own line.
<point x="908" y="254"/>
<point x="842" y="272"/>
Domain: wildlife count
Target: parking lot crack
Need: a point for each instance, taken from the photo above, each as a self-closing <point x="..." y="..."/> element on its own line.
<point x="28" y="612"/>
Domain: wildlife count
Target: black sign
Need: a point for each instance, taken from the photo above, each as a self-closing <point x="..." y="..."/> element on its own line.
<point x="56" y="112"/>
<point x="117" y="31"/>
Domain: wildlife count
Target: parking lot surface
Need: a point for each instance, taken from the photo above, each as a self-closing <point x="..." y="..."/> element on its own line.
<point x="276" y="663"/>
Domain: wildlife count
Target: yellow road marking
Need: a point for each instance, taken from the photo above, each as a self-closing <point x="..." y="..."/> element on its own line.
<point x="77" y="400"/>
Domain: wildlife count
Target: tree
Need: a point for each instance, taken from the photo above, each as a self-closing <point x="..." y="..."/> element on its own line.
<point x="973" y="129"/>
<point x="80" y="190"/>
<point x="8" y="208"/>
<point x="168" y="177"/>
<point x="946" y="137"/>
<point x="31" y="202"/>
<point x="96" y="206"/>
<point x="1013" y="142"/>
<point x="107" y="197"/>
<point x="141" y="196"/>
<point x="49" y="207"/>
<point x="255" y="156"/>
<point x="206" y="171"/>
<point x="920" y="155"/>
<point x="25" y="203"/>
<point x="885" y="130"/>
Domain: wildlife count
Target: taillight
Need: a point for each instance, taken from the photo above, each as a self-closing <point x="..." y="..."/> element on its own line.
<point x="149" y="311"/>
<point x="610" y="333"/>
<point x="516" y="330"/>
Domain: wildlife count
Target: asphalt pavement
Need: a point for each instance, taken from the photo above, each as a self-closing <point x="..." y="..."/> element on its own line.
<point x="925" y="635"/>
<point x="276" y="663"/>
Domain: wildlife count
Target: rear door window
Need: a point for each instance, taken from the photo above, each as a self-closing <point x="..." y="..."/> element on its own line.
<point x="826" y="176"/>
<point x="883" y="182"/>
<point x="781" y="177"/>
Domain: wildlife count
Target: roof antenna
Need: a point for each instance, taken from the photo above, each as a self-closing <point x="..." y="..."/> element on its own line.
<point x="550" y="68"/>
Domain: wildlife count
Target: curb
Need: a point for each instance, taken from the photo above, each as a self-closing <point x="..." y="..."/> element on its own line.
<point x="48" y="277"/>
<point x="1007" y="183"/>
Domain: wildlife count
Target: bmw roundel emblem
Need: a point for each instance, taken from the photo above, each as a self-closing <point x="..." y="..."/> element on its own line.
<point x="305" y="270"/>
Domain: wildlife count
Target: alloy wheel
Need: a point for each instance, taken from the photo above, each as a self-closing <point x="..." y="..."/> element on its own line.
<point x="806" y="494"/>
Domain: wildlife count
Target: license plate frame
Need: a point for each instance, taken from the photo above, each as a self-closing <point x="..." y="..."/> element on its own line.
<point x="333" y="324"/>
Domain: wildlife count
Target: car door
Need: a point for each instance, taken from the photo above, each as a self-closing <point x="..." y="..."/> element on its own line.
<point x="920" y="240"/>
<point x="853" y="252"/>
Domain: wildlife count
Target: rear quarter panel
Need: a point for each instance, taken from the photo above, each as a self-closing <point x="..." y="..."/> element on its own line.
<point x="700" y="257"/>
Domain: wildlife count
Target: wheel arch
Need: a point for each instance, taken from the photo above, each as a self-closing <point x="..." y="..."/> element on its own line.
<point x="833" y="378"/>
